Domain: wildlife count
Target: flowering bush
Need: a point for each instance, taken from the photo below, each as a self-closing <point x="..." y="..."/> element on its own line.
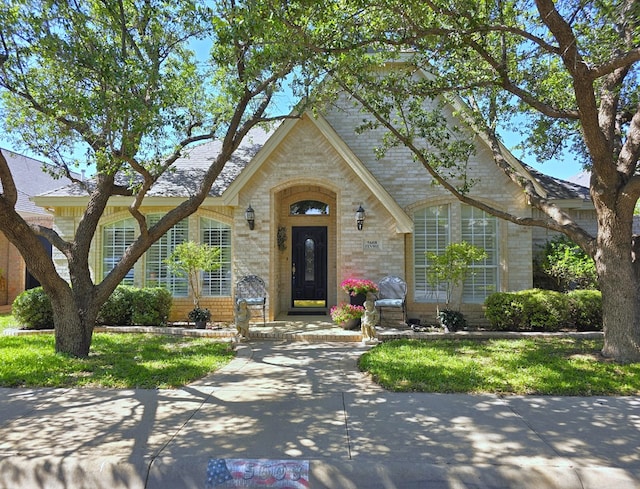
<point x="355" y="286"/>
<point x="345" y="312"/>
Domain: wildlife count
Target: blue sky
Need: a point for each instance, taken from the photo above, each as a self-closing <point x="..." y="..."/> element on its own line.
<point x="565" y="167"/>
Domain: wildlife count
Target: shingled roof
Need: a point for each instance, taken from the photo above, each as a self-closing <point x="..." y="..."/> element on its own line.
<point x="31" y="178"/>
<point x="187" y="172"/>
<point x="557" y="188"/>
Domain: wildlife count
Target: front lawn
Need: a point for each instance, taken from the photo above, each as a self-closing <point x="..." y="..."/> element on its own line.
<point x="116" y="361"/>
<point x="554" y="366"/>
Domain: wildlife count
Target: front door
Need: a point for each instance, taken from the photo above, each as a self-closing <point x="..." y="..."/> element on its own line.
<point x="309" y="266"/>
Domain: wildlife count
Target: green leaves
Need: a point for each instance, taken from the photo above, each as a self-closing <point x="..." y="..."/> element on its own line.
<point x="452" y="266"/>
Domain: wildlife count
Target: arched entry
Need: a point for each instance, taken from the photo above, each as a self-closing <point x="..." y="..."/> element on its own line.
<point x="307" y="252"/>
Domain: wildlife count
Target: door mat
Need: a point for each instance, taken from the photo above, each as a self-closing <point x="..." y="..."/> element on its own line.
<point x="308" y="313"/>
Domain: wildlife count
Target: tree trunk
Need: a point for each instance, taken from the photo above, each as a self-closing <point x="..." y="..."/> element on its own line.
<point x="620" y="286"/>
<point x="74" y="316"/>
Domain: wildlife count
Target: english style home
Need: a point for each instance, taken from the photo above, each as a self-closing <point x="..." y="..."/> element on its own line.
<point x="304" y="181"/>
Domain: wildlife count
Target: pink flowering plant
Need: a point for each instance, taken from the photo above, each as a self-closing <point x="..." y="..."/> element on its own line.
<point x="356" y="286"/>
<point x="345" y="312"/>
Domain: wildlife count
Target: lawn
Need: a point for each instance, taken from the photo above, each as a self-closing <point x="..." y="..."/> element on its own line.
<point x="116" y="361"/>
<point x="557" y="366"/>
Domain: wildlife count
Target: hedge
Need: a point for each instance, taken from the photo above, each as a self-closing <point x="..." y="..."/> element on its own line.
<point x="544" y="310"/>
<point x="126" y="306"/>
<point x="132" y="306"/>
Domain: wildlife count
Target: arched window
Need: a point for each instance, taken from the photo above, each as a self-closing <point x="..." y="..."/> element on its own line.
<point x="434" y="230"/>
<point x="309" y="208"/>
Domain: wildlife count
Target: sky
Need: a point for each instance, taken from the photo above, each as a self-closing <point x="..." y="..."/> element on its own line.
<point x="565" y="167"/>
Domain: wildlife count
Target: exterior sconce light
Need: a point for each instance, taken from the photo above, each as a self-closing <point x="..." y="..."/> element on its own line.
<point x="250" y="216"/>
<point x="360" y="218"/>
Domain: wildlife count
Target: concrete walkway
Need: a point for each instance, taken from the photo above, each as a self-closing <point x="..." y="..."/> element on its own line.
<point x="300" y="401"/>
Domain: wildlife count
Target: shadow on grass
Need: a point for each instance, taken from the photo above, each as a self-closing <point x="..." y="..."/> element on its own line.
<point x="555" y="366"/>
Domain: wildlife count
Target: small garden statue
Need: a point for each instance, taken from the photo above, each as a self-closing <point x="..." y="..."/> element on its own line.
<point x="369" y="320"/>
<point x="243" y="314"/>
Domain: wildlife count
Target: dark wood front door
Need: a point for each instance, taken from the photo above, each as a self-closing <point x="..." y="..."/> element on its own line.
<point x="309" y="266"/>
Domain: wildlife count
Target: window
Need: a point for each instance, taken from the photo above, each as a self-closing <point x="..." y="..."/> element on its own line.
<point x="218" y="282"/>
<point x="432" y="234"/>
<point x="480" y="229"/>
<point x="116" y="238"/>
<point x="156" y="272"/>
<point x="309" y="208"/>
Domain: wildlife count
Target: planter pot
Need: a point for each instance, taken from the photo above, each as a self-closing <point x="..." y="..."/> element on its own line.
<point x="201" y="324"/>
<point x="351" y="324"/>
<point x="357" y="300"/>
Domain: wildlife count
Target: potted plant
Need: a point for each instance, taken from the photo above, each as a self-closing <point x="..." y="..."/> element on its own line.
<point x="199" y="316"/>
<point x="358" y="289"/>
<point x="347" y="315"/>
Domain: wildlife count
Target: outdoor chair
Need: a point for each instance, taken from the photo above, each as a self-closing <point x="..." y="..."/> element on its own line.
<point x="251" y="288"/>
<point x="392" y="292"/>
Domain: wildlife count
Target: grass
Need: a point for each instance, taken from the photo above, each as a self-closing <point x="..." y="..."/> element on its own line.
<point x="116" y="361"/>
<point x="7" y="321"/>
<point x="555" y="366"/>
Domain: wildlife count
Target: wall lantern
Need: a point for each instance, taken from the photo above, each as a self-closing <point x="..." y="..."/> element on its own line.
<point x="360" y="217"/>
<point x="250" y="216"/>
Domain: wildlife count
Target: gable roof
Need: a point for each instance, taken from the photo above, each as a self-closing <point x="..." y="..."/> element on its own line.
<point x="558" y="188"/>
<point x="404" y="224"/>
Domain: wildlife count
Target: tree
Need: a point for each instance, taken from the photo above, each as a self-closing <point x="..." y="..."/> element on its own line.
<point x="188" y="259"/>
<point x="452" y="266"/>
<point x="570" y="69"/>
<point x="117" y="80"/>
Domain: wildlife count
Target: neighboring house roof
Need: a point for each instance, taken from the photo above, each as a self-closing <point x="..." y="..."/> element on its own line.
<point x="31" y="178"/>
<point x="583" y="178"/>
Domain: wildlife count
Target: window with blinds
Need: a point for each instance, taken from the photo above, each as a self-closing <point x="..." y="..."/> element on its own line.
<point x="156" y="271"/>
<point x="480" y="229"/>
<point x="431" y="234"/>
<point x="218" y="282"/>
<point x="116" y="238"/>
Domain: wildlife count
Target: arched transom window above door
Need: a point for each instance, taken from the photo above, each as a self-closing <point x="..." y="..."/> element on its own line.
<point x="309" y="208"/>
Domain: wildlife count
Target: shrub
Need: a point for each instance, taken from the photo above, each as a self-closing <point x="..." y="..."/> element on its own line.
<point x="130" y="305"/>
<point x="116" y="311"/>
<point x="585" y="309"/>
<point x="534" y="309"/>
<point x="452" y="320"/>
<point x="151" y="306"/>
<point x="505" y="311"/>
<point x="565" y="266"/>
<point x="32" y="309"/>
<point x="545" y="310"/>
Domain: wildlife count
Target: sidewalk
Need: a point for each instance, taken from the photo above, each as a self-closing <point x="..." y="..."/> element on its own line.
<point x="308" y="402"/>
